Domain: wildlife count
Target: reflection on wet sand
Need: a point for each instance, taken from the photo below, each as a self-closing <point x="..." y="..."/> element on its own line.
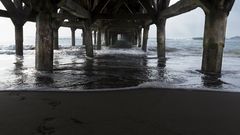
<point x="18" y="70"/>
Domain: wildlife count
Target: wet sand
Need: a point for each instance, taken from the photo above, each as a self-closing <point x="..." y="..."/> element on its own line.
<point x="120" y="112"/>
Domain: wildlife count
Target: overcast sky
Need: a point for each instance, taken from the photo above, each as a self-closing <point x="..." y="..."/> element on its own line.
<point x="187" y="25"/>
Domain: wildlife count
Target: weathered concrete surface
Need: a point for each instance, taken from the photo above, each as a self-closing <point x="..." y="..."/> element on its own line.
<point x="214" y="40"/>
<point x="19" y="39"/>
<point x="44" y="42"/>
<point x="88" y="41"/>
<point x="126" y="112"/>
<point x="161" y="36"/>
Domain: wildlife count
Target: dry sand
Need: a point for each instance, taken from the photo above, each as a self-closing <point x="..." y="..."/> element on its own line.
<point x="126" y="112"/>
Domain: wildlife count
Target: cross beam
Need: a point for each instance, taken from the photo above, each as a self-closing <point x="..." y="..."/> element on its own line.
<point x="75" y="9"/>
<point x="178" y="8"/>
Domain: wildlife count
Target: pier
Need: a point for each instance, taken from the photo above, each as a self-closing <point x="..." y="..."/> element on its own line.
<point x="129" y="19"/>
<point x="138" y="109"/>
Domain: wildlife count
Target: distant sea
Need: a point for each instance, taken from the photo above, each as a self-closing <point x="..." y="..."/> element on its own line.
<point x="118" y="68"/>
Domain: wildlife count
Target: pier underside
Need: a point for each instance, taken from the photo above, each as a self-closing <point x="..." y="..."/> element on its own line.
<point x="112" y="21"/>
<point x="136" y="110"/>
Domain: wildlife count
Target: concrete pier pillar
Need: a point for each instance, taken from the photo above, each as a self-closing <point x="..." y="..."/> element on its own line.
<point x="95" y="37"/>
<point x="99" y="39"/>
<point x="214" y="39"/>
<point x="55" y="39"/>
<point x="139" y="37"/>
<point x="135" y="38"/>
<point x="107" y="38"/>
<point x="83" y="37"/>
<point x="73" y="36"/>
<point x="145" y="38"/>
<point x="110" y="38"/>
<point x="88" y="41"/>
<point x="161" y="38"/>
<point x="19" y="39"/>
<point x="44" y="40"/>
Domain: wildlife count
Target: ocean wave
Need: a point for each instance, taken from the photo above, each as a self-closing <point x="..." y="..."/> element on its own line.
<point x="8" y="52"/>
<point x="13" y="47"/>
<point x="133" y="52"/>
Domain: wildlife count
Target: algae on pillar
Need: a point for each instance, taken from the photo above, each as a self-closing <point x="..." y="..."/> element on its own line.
<point x="161" y="38"/>
<point x="214" y="36"/>
<point x="44" y="38"/>
<point x="145" y="37"/>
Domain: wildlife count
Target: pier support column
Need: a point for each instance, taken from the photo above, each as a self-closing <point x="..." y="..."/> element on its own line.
<point x="44" y="39"/>
<point x="55" y="39"/>
<point x="140" y="37"/>
<point x="73" y="36"/>
<point x="214" y="39"/>
<point x="19" y="39"/>
<point x="83" y="37"/>
<point x="216" y="14"/>
<point x="135" y="37"/>
<point x="107" y="38"/>
<point x="18" y="30"/>
<point x="99" y="39"/>
<point x="95" y="37"/>
<point x="161" y="39"/>
<point x="88" y="40"/>
<point x="145" y="38"/>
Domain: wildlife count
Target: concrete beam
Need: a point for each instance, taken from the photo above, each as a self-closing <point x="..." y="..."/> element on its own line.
<point x="100" y="7"/>
<point x="142" y="17"/>
<point x="178" y="8"/>
<point x="146" y="4"/>
<point x="18" y="15"/>
<point x="73" y="24"/>
<point x="75" y="9"/>
<point x="4" y="13"/>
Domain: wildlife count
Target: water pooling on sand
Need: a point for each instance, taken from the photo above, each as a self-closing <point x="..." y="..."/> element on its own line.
<point x="117" y="68"/>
